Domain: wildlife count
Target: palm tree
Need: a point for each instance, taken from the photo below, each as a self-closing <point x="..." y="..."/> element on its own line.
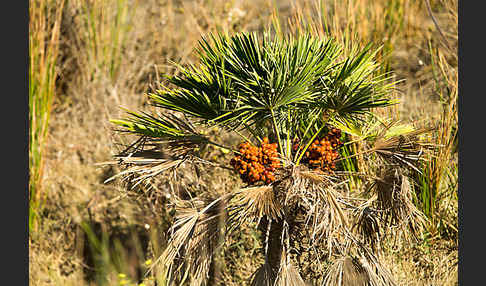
<point x="285" y="96"/>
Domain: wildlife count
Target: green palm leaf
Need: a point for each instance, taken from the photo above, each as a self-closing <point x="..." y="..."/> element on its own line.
<point x="288" y="86"/>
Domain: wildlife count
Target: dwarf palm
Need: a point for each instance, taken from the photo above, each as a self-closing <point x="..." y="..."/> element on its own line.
<point x="291" y="91"/>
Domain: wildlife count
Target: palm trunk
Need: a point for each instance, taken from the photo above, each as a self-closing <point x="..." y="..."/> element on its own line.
<point x="275" y="247"/>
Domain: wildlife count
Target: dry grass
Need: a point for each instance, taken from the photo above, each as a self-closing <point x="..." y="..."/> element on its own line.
<point x="110" y="54"/>
<point x="45" y="26"/>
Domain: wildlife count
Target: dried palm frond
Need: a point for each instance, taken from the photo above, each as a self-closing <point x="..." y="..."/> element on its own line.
<point x="263" y="276"/>
<point x="142" y="169"/>
<point x="141" y="164"/>
<point x="317" y="177"/>
<point x="397" y="144"/>
<point x="346" y="271"/>
<point x="253" y="203"/>
<point x="285" y="274"/>
<point x="194" y="237"/>
<point x="368" y="225"/>
<point x="361" y="268"/>
<point x="315" y="195"/>
<point x="394" y="199"/>
<point x="326" y="218"/>
<point x="377" y="274"/>
<point x="403" y="149"/>
<point x="165" y="142"/>
<point x="288" y="274"/>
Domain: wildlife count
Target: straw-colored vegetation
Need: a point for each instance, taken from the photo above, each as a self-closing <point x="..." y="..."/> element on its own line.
<point x="87" y="227"/>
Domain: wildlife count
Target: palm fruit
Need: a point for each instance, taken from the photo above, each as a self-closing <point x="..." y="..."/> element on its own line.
<point x="323" y="152"/>
<point x="256" y="163"/>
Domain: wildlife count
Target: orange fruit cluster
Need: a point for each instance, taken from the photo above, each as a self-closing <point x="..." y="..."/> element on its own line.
<point x="256" y="163"/>
<point x="323" y="153"/>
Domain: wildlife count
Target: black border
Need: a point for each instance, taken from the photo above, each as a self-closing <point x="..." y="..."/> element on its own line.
<point x="15" y="52"/>
<point x="469" y="112"/>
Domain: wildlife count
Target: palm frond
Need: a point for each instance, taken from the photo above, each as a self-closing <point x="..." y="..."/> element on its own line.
<point x="263" y="276"/>
<point x="288" y="274"/>
<point x="368" y="225"/>
<point x="164" y="144"/>
<point x="193" y="240"/>
<point x="317" y="195"/>
<point x="394" y="199"/>
<point x="378" y="275"/>
<point x="404" y="149"/>
<point x="345" y="271"/>
<point x="168" y="127"/>
<point x="354" y="87"/>
<point x="199" y="94"/>
<point x="397" y="144"/>
<point x="253" y="204"/>
<point x="362" y="267"/>
<point x="143" y="169"/>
